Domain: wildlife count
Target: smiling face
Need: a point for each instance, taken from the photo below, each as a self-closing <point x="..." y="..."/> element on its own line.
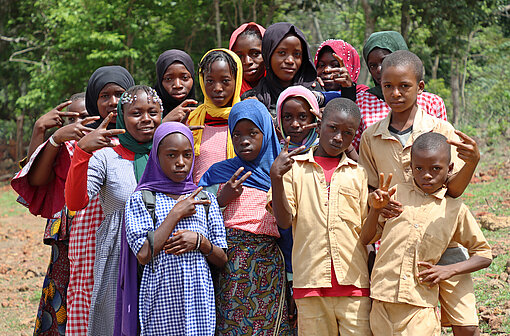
<point x="175" y="155"/>
<point x="247" y="139"/>
<point x="336" y="132"/>
<point x="249" y="50"/>
<point x="430" y="169"/>
<point x="286" y="59"/>
<point x="374" y="62"/>
<point x="220" y="83"/>
<point x="142" y="117"/>
<point x="401" y="88"/>
<point x="177" y="81"/>
<point x="296" y="114"/>
<point x="107" y="100"/>
<point x="325" y="62"/>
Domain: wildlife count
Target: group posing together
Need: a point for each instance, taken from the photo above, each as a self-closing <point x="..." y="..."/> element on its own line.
<point x="260" y="211"/>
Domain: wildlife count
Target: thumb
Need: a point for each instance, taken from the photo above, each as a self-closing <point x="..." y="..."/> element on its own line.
<point x="106" y="121"/>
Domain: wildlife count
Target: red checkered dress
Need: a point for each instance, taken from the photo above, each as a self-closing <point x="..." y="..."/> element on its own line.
<point x="374" y="109"/>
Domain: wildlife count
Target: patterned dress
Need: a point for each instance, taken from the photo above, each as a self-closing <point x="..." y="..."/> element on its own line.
<point x="177" y="297"/>
<point x="212" y="149"/>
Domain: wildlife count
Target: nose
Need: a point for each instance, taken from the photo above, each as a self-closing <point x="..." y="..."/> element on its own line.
<point x="180" y="161"/>
<point x="289" y="59"/>
<point x="245" y="142"/>
<point x="217" y="87"/>
<point x="338" y="137"/>
<point x="427" y="175"/>
<point x="295" y="124"/>
<point x="177" y="83"/>
<point x="113" y="101"/>
<point x="395" y="92"/>
<point x="247" y="60"/>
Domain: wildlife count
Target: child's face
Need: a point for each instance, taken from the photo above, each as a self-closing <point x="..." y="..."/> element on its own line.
<point x="142" y="117"/>
<point x="401" y="88"/>
<point x="336" y="132"/>
<point x="219" y="83"/>
<point x="249" y="50"/>
<point x="107" y="100"/>
<point x="430" y="169"/>
<point x="177" y="81"/>
<point x="247" y="139"/>
<point x="175" y="155"/>
<point x="374" y="62"/>
<point x="287" y="58"/>
<point x="296" y="114"/>
<point x="79" y="107"/>
<point x="327" y="61"/>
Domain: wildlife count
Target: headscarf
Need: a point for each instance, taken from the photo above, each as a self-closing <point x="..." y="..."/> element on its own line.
<point x="350" y="57"/>
<point x="102" y="76"/>
<point x="233" y="38"/>
<point x="389" y="40"/>
<point x="302" y="92"/>
<point x="269" y="87"/>
<point x="153" y="178"/>
<point x="197" y="117"/>
<point x="221" y="172"/>
<point x="166" y="59"/>
<point x="141" y="150"/>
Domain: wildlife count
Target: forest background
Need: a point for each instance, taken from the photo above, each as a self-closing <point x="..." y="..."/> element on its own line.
<point x="49" y="48"/>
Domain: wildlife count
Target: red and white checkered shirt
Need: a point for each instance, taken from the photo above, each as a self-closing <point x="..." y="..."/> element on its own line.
<point x="374" y="109"/>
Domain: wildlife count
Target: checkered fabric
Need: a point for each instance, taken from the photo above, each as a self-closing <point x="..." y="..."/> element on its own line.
<point x="212" y="149"/>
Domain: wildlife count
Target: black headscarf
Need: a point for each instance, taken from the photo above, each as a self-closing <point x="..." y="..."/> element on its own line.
<point x="269" y="87"/>
<point x="164" y="61"/>
<point x="102" y="76"/>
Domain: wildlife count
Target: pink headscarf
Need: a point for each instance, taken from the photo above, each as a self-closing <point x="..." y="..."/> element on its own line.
<point x="350" y="57"/>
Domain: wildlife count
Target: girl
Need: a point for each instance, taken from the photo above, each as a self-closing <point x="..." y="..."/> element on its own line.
<point x="113" y="174"/>
<point x="246" y="42"/>
<point x="176" y="85"/>
<point x="177" y="294"/>
<point x="251" y="293"/>
<point x="220" y="74"/>
<point x="338" y="65"/>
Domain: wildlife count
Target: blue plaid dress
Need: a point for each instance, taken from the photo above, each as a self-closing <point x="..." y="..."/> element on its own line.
<point x="178" y="297"/>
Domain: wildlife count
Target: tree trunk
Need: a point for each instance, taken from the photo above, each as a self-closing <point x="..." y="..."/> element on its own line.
<point x="405" y="20"/>
<point x="370" y="20"/>
<point x="435" y="67"/>
<point x="241" y="14"/>
<point x="19" y="127"/>
<point x="254" y="11"/>
<point x="464" y="73"/>
<point x="454" y="84"/>
<point x="218" y="22"/>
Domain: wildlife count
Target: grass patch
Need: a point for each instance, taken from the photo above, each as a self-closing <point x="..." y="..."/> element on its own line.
<point x="9" y="206"/>
<point x="489" y="196"/>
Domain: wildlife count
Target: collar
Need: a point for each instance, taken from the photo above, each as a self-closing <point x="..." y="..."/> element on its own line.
<point x="308" y="156"/>
<point x="439" y="194"/>
<point x="125" y="153"/>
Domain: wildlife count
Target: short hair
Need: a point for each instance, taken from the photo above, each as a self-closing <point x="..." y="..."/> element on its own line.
<point x="342" y="105"/>
<point x="251" y="31"/>
<point x="217" y="55"/>
<point x="77" y="96"/>
<point x="405" y="58"/>
<point x="431" y="141"/>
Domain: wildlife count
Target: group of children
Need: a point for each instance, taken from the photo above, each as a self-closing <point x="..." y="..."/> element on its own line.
<point x="255" y="212"/>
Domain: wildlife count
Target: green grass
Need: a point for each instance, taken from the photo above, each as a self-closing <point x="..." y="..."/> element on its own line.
<point x="489" y="195"/>
<point x="8" y="205"/>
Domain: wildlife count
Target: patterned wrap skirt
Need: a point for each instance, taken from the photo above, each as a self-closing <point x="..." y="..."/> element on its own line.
<point x="251" y="287"/>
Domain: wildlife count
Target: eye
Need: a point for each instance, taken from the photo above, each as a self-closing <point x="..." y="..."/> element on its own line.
<point x="171" y="155"/>
<point x="185" y="77"/>
<point x="105" y="96"/>
<point x="209" y="81"/>
<point x="320" y="65"/>
<point x="303" y="117"/>
<point x="297" y="54"/>
<point x="254" y="133"/>
<point x="167" y="79"/>
<point x="188" y="155"/>
<point x="386" y="86"/>
<point x="286" y="117"/>
<point x="417" y="168"/>
<point x="349" y="133"/>
<point x="118" y="94"/>
<point x="227" y="81"/>
<point x="256" y="54"/>
<point x="281" y="53"/>
<point x="436" y="168"/>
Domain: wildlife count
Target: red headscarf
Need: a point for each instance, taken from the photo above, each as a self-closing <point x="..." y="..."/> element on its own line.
<point x="350" y="57"/>
<point x="233" y="38"/>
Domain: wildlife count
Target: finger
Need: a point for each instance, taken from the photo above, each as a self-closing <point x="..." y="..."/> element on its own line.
<point x="106" y="121"/>
<point x="188" y="102"/>
<point x="89" y="120"/>
<point x="243" y="178"/>
<point x="381" y="181"/>
<point x="286" y="145"/>
<point x="339" y="59"/>
<point x="195" y="193"/>
<point x="313" y="125"/>
<point x="465" y="137"/>
<point x="321" y="82"/>
<point x="194" y="128"/>
<point x="179" y="232"/>
<point x="200" y="201"/>
<point x="316" y="113"/>
<point x="114" y="132"/>
<point x="425" y="264"/>
<point x="64" y="104"/>
<point x="62" y="114"/>
<point x="297" y="151"/>
<point x="388" y="182"/>
<point x="236" y="175"/>
<point x="392" y="191"/>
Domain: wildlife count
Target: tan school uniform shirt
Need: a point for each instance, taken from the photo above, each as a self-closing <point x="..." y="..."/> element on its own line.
<point x="421" y="233"/>
<point x="327" y="229"/>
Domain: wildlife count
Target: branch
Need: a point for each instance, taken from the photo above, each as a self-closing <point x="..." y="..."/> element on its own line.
<point x="15" y="39"/>
<point x="21" y="60"/>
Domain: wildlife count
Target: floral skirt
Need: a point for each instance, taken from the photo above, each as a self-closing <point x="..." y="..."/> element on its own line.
<point x="251" y="287"/>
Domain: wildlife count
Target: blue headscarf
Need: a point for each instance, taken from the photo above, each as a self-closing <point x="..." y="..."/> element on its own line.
<point x="221" y="172"/>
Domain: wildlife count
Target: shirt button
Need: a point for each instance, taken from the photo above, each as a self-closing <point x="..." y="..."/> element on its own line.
<point x="416" y="225"/>
<point x="326" y="204"/>
<point x="404" y="277"/>
<point x="330" y="229"/>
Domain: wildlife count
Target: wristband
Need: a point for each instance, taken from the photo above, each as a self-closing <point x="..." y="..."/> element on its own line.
<point x="53" y="143"/>
<point x="199" y="241"/>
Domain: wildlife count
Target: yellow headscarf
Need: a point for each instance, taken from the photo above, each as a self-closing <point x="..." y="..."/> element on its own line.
<point x="197" y="117"/>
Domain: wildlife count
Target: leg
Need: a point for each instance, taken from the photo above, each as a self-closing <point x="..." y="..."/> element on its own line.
<point x="315" y="317"/>
<point x="466" y="330"/>
<point x="352" y="314"/>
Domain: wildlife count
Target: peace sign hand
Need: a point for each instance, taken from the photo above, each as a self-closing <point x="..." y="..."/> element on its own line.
<point x="74" y="131"/>
<point x="181" y="112"/>
<point x="467" y="149"/>
<point x="284" y="160"/>
<point x="54" y="118"/>
<point x="381" y="197"/>
<point x="341" y="74"/>
<point x="100" y="137"/>
<point x="185" y="206"/>
<point x="233" y="188"/>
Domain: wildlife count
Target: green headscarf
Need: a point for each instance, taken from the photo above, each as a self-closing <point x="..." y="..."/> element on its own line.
<point x="389" y="40"/>
<point x="141" y="150"/>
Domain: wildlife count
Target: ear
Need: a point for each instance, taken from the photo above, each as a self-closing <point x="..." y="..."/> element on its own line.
<point x="421" y="87"/>
<point x="450" y="168"/>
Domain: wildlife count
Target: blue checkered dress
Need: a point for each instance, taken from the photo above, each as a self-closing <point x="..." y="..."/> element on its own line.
<point x="178" y="297"/>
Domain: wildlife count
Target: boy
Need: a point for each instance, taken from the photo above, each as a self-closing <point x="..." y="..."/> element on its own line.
<point x="323" y="195"/>
<point x="405" y="275"/>
<point x="386" y="148"/>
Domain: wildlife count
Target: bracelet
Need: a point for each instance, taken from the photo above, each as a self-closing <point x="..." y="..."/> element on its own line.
<point x="199" y="241"/>
<point x="53" y="143"/>
<point x="349" y="152"/>
<point x="210" y="252"/>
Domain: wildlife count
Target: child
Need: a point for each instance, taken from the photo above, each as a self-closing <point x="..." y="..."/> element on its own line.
<point x="113" y="174"/>
<point x="386" y="148"/>
<point x="323" y="195"/>
<point x="246" y="42"/>
<point x="176" y="84"/>
<point x="221" y="75"/>
<point x="176" y="292"/>
<point x="406" y="271"/>
<point x="251" y="293"/>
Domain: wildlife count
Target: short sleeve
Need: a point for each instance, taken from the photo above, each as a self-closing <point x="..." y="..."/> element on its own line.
<point x="469" y="235"/>
<point x="366" y="160"/>
<point x="215" y="225"/>
<point x="138" y="222"/>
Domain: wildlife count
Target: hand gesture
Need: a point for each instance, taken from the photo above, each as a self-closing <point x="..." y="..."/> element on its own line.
<point x="341" y="74"/>
<point x="381" y="197"/>
<point x="434" y="273"/>
<point x="317" y="114"/>
<point x="54" y="118"/>
<point x="100" y="137"/>
<point x="181" y="112"/>
<point x="467" y="149"/>
<point x="233" y="188"/>
<point x="185" y="206"/>
<point x="74" y="131"/>
<point x="284" y="160"/>
<point x="181" y="242"/>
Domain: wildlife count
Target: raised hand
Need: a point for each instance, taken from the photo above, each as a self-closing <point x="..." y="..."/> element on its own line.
<point x="284" y="160"/>
<point x="185" y="206"/>
<point x="54" y="118"/>
<point x="181" y="112"/>
<point x="341" y="74"/>
<point x="379" y="198"/>
<point x="233" y="188"/>
<point x="467" y="149"/>
<point x="74" y="131"/>
<point x="318" y="114"/>
<point x="100" y="137"/>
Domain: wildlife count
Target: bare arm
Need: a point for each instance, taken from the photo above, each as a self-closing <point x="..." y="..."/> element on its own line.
<point x="467" y="150"/>
<point x="437" y="273"/>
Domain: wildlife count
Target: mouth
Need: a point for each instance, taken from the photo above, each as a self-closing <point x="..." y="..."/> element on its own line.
<point x="218" y="98"/>
<point x="181" y="173"/>
<point x="146" y="129"/>
<point x="178" y="95"/>
<point x="289" y="70"/>
<point x="246" y="150"/>
<point x="250" y="72"/>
